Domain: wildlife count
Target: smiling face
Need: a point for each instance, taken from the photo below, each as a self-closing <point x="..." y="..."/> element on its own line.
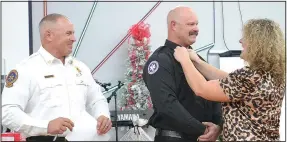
<point x="62" y="37"/>
<point x="183" y="25"/>
<point x="187" y="29"/>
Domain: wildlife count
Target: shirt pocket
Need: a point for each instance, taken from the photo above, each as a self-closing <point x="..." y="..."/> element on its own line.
<point x="52" y="91"/>
<point x="81" y="89"/>
<point x="81" y="84"/>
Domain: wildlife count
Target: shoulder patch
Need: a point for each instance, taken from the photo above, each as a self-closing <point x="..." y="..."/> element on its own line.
<point x="153" y="67"/>
<point x="11" y="78"/>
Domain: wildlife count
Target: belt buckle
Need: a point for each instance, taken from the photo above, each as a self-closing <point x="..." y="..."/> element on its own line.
<point x="168" y="133"/>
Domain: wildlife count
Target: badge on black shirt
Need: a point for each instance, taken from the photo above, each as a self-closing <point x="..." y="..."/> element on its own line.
<point x="153" y="67"/>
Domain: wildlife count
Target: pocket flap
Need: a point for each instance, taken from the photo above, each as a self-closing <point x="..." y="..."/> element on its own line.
<point x="81" y="81"/>
<point x="50" y="83"/>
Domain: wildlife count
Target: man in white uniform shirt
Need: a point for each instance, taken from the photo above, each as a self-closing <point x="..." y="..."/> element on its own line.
<point x="50" y="89"/>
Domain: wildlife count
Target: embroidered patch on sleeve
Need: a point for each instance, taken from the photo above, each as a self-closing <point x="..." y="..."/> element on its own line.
<point x="11" y="78"/>
<point x="153" y="67"/>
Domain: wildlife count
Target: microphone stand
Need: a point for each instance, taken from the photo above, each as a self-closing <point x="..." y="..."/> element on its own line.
<point x="114" y="94"/>
<point x="104" y="85"/>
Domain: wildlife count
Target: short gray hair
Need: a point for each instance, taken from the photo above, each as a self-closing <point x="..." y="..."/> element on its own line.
<point x="51" y="18"/>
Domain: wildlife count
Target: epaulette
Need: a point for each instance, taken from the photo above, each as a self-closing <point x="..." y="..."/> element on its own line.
<point x="28" y="58"/>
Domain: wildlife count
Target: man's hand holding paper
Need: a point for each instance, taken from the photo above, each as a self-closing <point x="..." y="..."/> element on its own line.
<point x="85" y="129"/>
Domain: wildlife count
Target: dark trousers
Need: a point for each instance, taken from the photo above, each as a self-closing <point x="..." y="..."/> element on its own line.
<point x="171" y="139"/>
<point x="45" y="138"/>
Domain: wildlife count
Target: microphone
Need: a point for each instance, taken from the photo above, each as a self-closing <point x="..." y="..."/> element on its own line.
<point x="104" y="85"/>
<point x="120" y="84"/>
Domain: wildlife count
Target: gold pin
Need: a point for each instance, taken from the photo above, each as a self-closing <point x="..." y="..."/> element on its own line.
<point x="79" y="71"/>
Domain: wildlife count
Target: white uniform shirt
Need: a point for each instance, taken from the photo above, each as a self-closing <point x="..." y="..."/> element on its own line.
<point x="46" y="89"/>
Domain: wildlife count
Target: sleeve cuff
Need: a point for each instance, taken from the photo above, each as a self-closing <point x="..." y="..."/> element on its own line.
<point x="35" y="127"/>
<point x="104" y="114"/>
<point x="43" y="129"/>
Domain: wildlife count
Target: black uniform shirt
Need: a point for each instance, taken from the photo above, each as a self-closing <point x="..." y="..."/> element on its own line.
<point x="176" y="107"/>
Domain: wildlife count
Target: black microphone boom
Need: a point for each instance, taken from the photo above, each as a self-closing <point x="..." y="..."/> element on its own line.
<point x="104" y="85"/>
<point x="120" y="84"/>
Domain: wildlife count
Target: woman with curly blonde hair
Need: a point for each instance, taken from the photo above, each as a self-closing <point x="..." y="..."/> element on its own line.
<point x="251" y="96"/>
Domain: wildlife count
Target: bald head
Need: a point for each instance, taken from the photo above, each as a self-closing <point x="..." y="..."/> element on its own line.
<point x="182" y="25"/>
<point x="178" y="14"/>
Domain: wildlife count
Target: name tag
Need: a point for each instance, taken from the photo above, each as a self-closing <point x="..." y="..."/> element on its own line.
<point x="49" y="76"/>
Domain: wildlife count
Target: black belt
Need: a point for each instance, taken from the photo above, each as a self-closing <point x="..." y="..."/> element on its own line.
<point x="45" y="138"/>
<point x="160" y="132"/>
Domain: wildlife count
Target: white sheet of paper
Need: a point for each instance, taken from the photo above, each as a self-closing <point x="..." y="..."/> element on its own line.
<point x="85" y="129"/>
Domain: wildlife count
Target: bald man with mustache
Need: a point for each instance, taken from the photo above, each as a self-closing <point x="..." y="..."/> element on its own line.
<point x="179" y="115"/>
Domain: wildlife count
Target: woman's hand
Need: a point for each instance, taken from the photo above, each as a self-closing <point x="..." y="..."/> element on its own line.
<point x="181" y="54"/>
<point x="193" y="56"/>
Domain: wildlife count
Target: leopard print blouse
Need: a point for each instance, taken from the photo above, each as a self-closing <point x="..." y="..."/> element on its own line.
<point x="254" y="109"/>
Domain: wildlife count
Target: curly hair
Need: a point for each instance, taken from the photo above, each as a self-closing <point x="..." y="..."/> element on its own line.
<point x="265" y="48"/>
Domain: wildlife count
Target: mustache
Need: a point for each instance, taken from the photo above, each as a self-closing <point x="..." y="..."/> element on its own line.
<point x="193" y="33"/>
